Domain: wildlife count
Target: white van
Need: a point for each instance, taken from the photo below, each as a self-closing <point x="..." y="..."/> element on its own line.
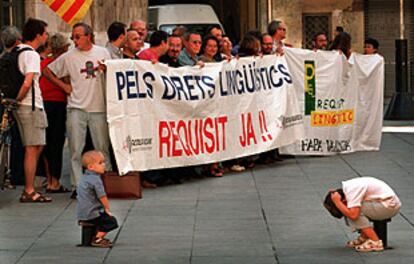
<point x="195" y="17"/>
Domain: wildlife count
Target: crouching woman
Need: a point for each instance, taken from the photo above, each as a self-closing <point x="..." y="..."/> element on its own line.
<point x="360" y="200"/>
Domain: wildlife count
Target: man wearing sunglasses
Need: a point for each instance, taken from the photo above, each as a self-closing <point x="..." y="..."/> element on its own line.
<point x="192" y="45"/>
<point x="86" y="96"/>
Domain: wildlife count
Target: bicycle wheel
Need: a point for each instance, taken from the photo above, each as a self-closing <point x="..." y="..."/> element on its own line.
<point x="3" y="163"/>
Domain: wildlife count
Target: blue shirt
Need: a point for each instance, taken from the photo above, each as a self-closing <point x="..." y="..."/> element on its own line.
<point x="89" y="190"/>
<point x="184" y="59"/>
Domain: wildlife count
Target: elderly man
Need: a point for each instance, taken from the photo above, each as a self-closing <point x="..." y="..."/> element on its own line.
<point x="10" y="37"/>
<point x="132" y="45"/>
<point x="175" y="46"/>
<point x="86" y="101"/>
<point x="277" y="29"/>
<point x="192" y="45"/>
<point x="140" y="26"/>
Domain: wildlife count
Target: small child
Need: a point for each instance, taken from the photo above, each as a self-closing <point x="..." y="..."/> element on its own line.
<point x="360" y="200"/>
<point x="93" y="205"/>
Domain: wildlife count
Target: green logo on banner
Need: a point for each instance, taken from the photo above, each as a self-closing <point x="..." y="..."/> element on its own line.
<point x="310" y="88"/>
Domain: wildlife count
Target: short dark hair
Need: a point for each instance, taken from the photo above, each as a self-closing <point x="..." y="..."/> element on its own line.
<point x="373" y="42"/>
<point x="206" y="39"/>
<point x="248" y="46"/>
<point x="330" y="205"/>
<point x="273" y="26"/>
<point x="187" y="35"/>
<point x="210" y="28"/>
<point x="317" y="35"/>
<point x="86" y="28"/>
<point x="339" y="29"/>
<point x="32" y="28"/>
<point x="115" y="30"/>
<point x="342" y="42"/>
<point x="255" y="33"/>
<point x="157" y="38"/>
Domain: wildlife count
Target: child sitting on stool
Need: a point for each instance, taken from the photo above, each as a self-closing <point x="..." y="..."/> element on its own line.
<point x="93" y="205"/>
<point x="361" y="200"/>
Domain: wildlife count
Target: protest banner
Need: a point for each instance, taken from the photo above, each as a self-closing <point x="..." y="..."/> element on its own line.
<point x="161" y="117"/>
<point x="342" y="101"/>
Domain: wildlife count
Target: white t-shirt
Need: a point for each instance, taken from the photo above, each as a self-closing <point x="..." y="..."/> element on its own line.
<point x="29" y="62"/>
<point x="362" y="189"/>
<point x="88" y="83"/>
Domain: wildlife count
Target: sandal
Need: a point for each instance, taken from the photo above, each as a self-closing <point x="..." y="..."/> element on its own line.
<point x="216" y="171"/>
<point x="370" y="246"/>
<point x="101" y="243"/>
<point x="237" y="168"/>
<point x="356" y="242"/>
<point x="29" y="198"/>
<point x="61" y="189"/>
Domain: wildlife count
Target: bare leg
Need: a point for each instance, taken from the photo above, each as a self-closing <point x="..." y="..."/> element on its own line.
<point x="47" y="172"/>
<point x="31" y="157"/>
<point x="369" y="233"/>
<point x="101" y="234"/>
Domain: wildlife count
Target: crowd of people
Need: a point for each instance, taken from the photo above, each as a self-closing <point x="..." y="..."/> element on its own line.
<point x="63" y="94"/>
<point x="69" y="88"/>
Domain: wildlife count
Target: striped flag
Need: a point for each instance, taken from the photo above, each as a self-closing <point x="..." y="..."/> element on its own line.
<point x="71" y="11"/>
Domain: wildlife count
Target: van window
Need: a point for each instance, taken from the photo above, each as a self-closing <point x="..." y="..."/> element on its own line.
<point x="199" y="28"/>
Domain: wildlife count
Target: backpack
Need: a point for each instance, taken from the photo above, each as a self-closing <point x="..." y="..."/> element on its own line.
<point x="11" y="78"/>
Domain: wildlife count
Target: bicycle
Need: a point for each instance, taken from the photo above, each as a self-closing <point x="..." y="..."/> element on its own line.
<point x="7" y="121"/>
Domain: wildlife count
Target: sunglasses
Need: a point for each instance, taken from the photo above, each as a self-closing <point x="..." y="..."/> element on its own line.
<point x="76" y="37"/>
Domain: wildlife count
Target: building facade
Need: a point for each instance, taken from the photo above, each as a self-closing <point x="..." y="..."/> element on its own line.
<point x="379" y="19"/>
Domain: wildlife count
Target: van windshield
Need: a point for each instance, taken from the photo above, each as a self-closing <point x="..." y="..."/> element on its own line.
<point x="199" y="28"/>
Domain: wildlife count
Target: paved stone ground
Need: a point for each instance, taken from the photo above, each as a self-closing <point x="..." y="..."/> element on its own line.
<point x="271" y="214"/>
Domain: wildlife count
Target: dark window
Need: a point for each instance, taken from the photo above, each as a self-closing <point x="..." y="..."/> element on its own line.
<point x="12" y="13"/>
<point x="312" y="24"/>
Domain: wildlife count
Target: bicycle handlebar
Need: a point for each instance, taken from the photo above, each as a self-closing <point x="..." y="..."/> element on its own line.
<point x="8" y="102"/>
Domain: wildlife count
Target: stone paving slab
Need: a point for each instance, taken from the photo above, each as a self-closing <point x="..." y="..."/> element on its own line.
<point x="271" y="214"/>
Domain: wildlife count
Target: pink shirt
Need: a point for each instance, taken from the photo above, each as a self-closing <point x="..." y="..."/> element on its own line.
<point x="148" y="54"/>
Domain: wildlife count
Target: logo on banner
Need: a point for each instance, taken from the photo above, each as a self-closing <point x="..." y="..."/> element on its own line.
<point x="131" y="144"/>
<point x="310" y="87"/>
<point x="288" y="121"/>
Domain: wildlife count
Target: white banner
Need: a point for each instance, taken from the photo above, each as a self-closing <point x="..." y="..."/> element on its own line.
<point x="162" y="117"/>
<point x="342" y="101"/>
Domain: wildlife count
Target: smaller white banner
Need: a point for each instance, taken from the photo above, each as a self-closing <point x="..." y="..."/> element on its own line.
<point x="341" y="100"/>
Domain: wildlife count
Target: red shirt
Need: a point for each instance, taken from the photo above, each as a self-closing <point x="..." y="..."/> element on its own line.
<point x="50" y="92"/>
<point x="148" y="54"/>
